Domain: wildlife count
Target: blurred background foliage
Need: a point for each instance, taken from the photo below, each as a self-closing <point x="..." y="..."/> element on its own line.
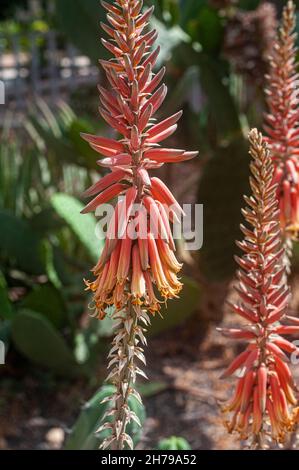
<point x="215" y="52"/>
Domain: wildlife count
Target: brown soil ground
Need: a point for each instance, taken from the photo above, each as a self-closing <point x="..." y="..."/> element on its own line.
<point x="36" y="414"/>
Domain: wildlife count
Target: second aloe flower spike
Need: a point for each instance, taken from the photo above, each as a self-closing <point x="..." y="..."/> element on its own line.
<point x="264" y="398"/>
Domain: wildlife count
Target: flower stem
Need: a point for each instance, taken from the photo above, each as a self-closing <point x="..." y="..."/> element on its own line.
<point x="124" y="354"/>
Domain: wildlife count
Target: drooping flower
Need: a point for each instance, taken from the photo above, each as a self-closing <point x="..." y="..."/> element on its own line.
<point x="265" y="393"/>
<point x="282" y="120"/>
<point x="137" y="269"/>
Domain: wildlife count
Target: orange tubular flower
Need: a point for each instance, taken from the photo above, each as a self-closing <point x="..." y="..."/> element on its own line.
<point x="129" y="107"/>
<point x="264" y="395"/>
<point x="282" y="120"/>
<point x="138" y="260"/>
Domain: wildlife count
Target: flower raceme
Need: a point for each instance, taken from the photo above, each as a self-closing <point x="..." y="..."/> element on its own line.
<point x="138" y="252"/>
<point x="265" y="392"/>
<point x="138" y="263"/>
<point x="128" y="267"/>
<point x="282" y="120"/>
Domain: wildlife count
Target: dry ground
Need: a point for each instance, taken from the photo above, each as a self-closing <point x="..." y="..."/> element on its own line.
<point x="36" y="413"/>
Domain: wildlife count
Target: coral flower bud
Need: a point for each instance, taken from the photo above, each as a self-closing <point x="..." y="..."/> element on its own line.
<point x="138" y="288"/>
<point x="257" y="412"/>
<point x="124" y="260"/>
<point x="262" y="386"/>
<point x="143" y="253"/>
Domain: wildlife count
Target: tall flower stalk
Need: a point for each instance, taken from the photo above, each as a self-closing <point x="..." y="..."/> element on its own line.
<point x="282" y="127"/>
<point x="137" y="269"/>
<point x="282" y="120"/>
<point x="264" y="397"/>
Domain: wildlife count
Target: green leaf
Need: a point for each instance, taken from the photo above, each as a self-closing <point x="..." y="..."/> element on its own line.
<point x="249" y="4"/>
<point x="6" y="308"/>
<point x="182" y="89"/>
<point x="19" y="244"/>
<point x="81" y="348"/>
<point x="166" y="10"/>
<point x="45" y="222"/>
<point x="61" y="137"/>
<point x="35" y="337"/>
<point x="221" y="190"/>
<point x="190" y="10"/>
<point x="207" y="29"/>
<point x="80" y="20"/>
<point x="174" y="443"/>
<point x="88" y="348"/>
<point x="178" y="310"/>
<point x="59" y="146"/>
<point x="104" y="328"/>
<point x="83" y="436"/>
<point x="83" y="226"/>
<point x="90" y="342"/>
<point x="88" y="157"/>
<point x="47" y="300"/>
